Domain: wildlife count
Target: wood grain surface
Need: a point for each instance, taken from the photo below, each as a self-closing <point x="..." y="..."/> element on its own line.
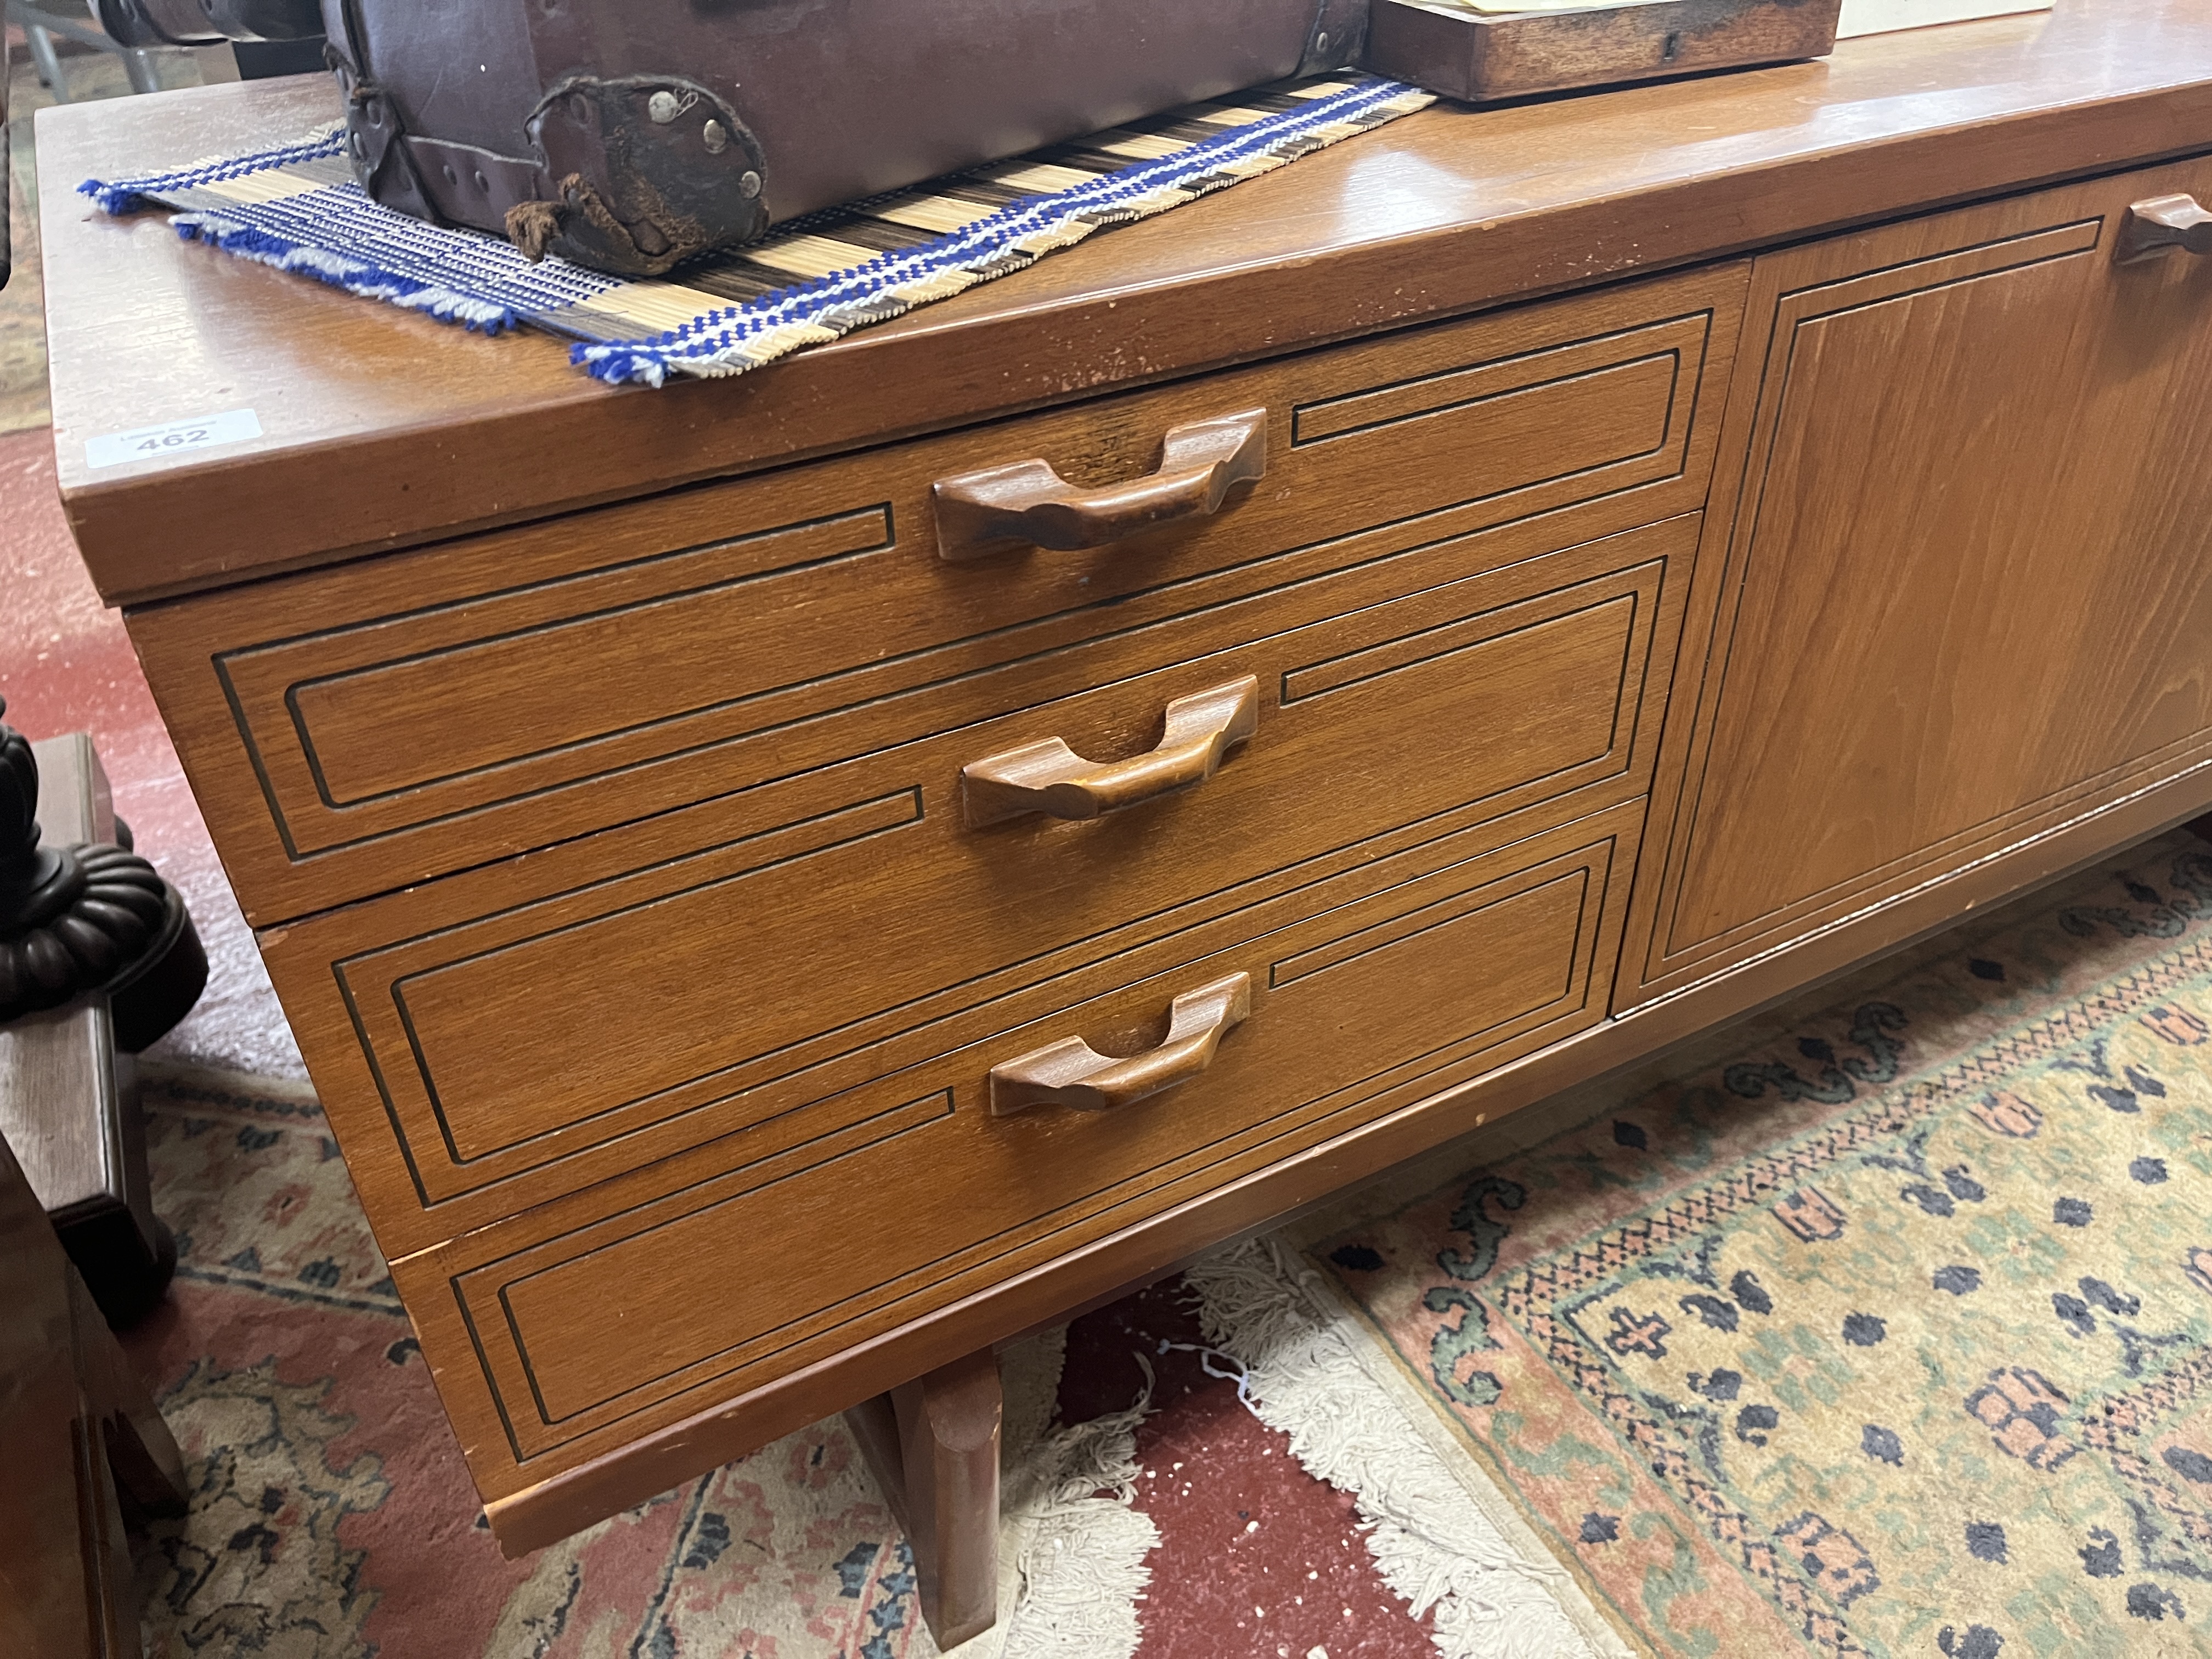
<point x="932" y="1445"/>
<point x="1027" y="504"/>
<point x="78" y="1424"/>
<point x="1244" y="1198"/>
<point x="1045" y="777"/>
<point x="51" y="1590"/>
<point x="1381" y="987"/>
<point x="950" y="1423"/>
<point x="1968" y="592"/>
<point x="382" y="428"/>
<point x="1485" y="56"/>
<point x="769" y="946"/>
<point x="476" y="882"/>
<point x="352" y="731"/>
<point x="58" y="1105"/>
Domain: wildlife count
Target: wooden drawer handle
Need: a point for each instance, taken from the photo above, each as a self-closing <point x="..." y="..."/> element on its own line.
<point x="1050" y="777"/>
<point x="1070" y="1073"/>
<point x="2161" y="222"/>
<point x="984" y="513"/>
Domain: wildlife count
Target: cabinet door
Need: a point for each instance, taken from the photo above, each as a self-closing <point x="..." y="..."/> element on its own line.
<point x="1962" y="605"/>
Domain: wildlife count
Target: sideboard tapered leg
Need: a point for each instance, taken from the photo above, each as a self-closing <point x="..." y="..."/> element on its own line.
<point x="934" y="1445"/>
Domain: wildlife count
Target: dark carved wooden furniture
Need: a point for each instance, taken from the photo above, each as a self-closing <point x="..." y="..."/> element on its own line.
<point x="81" y="1431"/>
<point x="79" y="913"/>
<point x="98" y="959"/>
<point x="7" y="175"/>
<point x="785" y="885"/>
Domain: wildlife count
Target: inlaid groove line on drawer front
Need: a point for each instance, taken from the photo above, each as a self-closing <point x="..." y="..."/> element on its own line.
<point x="922" y="687"/>
<point x="1390" y="656"/>
<point x="768" y="1057"/>
<point x="598" y="574"/>
<point x="1496" y="368"/>
<point x="1384" y="934"/>
<point x="2154" y="764"/>
<point x="877" y="519"/>
<point x="912" y="1115"/>
<point x="2064" y="239"/>
<point x="969" y="1272"/>
<point x="894" y="811"/>
<point x="974" y="1259"/>
<point x="1624" y="374"/>
<point x="1588" y="866"/>
<point x="889" y="1125"/>
<point x="222" y="661"/>
<point x="1631" y="675"/>
<point x="1673" y="434"/>
<point x="1975" y="262"/>
<point x="760" y="1070"/>
<point x="882" y="821"/>
<point x="1047" y="654"/>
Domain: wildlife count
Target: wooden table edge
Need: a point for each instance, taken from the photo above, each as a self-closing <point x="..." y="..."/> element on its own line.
<point x="1002" y="364"/>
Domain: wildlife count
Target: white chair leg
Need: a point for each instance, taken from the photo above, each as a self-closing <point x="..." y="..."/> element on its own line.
<point x="139" y="66"/>
<point x="47" y="62"/>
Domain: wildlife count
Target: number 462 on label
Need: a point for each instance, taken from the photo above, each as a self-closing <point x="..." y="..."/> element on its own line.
<point x="148" y="443"/>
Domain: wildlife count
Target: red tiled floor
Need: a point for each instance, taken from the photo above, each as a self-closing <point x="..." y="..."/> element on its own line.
<point x="1256" y="1558"/>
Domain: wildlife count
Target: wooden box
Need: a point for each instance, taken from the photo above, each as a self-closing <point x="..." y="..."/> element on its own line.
<point x="1480" y="56"/>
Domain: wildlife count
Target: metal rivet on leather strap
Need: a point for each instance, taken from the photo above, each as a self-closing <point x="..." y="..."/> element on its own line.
<point x="717" y="136"/>
<point x="751" y="185"/>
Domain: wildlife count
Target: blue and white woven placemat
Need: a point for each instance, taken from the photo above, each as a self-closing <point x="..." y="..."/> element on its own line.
<point x="298" y="208"/>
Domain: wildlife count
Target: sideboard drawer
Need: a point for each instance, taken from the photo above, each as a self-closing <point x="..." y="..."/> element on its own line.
<point x="432" y="710"/>
<point x="733" y="945"/>
<point x="561" y="1330"/>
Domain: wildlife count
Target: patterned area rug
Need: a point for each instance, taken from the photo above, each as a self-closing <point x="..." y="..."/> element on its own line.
<point x="813" y="280"/>
<point x="332" y="1517"/>
<point x="1889" y="1334"/>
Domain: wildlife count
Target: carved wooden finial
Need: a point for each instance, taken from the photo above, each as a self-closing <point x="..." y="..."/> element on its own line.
<point x="19" y="806"/>
<point x="72" y="919"/>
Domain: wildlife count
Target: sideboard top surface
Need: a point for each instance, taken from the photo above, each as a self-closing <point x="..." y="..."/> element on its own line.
<point x="381" y="428"/>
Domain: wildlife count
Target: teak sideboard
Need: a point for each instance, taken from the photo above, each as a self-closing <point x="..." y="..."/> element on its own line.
<point x="783" y="884"/>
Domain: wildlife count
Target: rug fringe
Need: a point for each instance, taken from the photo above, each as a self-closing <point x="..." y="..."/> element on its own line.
<point x="1083" y="1569"/>
<point x="1072" y="1548"/>
<point x="1434" y="1544"/>
<point x="192" y="1075"/>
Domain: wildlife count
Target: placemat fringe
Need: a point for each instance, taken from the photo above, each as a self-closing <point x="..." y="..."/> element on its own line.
<point x="266" y="247"/>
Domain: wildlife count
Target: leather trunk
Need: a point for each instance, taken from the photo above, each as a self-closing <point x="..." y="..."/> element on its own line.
<point x="628" y="137"/>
